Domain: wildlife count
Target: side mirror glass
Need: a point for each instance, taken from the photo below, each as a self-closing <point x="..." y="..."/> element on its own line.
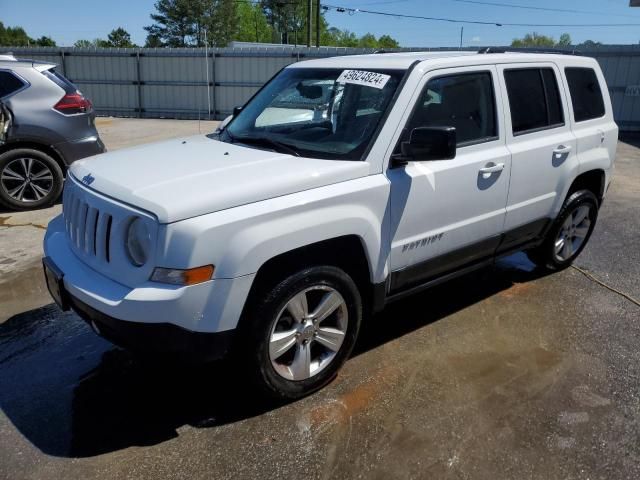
<point x="428" y="143"/>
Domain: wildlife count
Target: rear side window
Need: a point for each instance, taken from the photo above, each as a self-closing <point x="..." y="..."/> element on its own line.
<point x="586" y="96"/>
<point x="533" y="99"/>
<point x="60" y="80"/>
<point x="9" y="84"/>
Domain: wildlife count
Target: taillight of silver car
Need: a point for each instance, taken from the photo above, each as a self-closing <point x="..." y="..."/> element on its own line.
<point x="73" y="103"/>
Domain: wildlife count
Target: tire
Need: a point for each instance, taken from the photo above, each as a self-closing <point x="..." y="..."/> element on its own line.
<point x="569" y="233"/>
<point x="29" y="179"/>
<point x="279" y="371"/>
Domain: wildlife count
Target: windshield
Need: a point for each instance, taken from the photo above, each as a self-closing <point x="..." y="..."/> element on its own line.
<point x="321" y="113"/>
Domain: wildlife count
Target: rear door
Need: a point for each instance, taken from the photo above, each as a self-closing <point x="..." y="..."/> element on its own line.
<point x="542" y="146"/>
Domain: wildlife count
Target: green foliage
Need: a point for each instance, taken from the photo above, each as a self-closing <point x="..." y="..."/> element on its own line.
<point x="590" y="44"/>
<point x="565" y="40"/>
<point x="17" y="37"/>
<point x="385" y="41"/>
<point x="45" y="41"/>
<point x="535" y="40"/>
<point x="252" y="24"/>
<point x="153" y="41"/>
<point x="183" y="23"/>
<point x="120" y="38"/>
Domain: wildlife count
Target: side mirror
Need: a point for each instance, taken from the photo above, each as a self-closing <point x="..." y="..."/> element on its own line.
<point x="5" y="123"/>
<point x="224" y="123"/>
<point x="236" y="111"/>
<point x="427" y="143"/>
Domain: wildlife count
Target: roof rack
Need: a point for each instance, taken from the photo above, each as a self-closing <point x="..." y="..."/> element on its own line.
<point x="527" y="50"/>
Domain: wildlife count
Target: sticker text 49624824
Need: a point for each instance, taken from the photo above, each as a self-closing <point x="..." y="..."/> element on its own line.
<point x="362" y="77"/>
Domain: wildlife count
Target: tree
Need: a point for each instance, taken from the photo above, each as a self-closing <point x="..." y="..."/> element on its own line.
<point x="565" y="40"/>
<point x="182" y="23"/>
<point x="385" y="41"/>
<point x="153" y="41"/>
<point x="45" y="41"/>
<point x="286" y="18"/>
<point x="252" y="24"/>
<point x="368" y="41"/>
<point x="535" y="40"/>
<point x="84" y="44"/>
<point x="14" y="37"/>
<point x="590" y="44"/>
<point x="119" y="38"/>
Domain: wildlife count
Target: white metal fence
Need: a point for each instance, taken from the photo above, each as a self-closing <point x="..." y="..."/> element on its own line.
<point x="192" y="83"/>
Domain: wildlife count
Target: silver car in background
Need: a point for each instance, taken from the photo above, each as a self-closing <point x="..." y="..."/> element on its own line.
<point x="46" y="124"/>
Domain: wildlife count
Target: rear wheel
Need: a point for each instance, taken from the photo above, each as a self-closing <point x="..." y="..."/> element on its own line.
<point x="29" y="179"/>
<point x="569" y="233"/>
<point x="299" y="335"/>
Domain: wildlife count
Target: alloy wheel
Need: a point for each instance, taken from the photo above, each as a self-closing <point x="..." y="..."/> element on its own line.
<point x="573" y="233"/>
<point x="26" y="180"/>
<point x="308" y="333"/>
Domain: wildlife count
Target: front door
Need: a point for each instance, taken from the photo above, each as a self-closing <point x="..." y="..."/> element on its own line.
<point x="449" y="213"/>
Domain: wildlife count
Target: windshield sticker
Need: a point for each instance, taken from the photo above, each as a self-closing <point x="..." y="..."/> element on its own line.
<point x="362" y="77"/>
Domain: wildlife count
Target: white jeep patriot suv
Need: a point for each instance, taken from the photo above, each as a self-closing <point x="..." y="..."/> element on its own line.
<point x="342" y="185"/>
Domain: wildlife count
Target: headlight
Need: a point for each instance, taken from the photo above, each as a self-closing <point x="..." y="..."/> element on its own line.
<point x="138" y="242"/>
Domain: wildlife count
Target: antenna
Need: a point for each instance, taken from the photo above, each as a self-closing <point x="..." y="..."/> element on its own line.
<point x="206" y="62"/>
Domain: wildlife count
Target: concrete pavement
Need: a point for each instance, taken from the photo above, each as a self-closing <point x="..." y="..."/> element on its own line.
<point x="506" y="373"/>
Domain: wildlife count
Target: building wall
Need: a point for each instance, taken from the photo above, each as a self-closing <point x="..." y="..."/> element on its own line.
<point x="194" y="83"/>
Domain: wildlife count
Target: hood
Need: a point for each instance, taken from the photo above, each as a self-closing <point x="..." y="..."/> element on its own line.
<point x="187" y="177"/>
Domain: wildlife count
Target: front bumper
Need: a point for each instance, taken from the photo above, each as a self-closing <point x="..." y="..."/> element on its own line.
<point x="151" y="316"/>
<point x="155" y="338"/>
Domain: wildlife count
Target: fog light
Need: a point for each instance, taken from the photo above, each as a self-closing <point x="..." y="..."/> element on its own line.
<point x="176" y="276"/>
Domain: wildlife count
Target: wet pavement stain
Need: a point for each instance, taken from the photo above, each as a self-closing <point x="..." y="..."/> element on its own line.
<point x="4" y="220"/>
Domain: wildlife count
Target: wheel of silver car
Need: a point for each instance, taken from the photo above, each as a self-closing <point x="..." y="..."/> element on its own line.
<point x="299" y="331"/>
<point x="28" y="179"/>
<point x="308" y="332"/>
<point x="573" y="233"/>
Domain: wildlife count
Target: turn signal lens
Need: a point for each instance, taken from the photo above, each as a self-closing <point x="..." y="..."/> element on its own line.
<point x="183" y="277"/>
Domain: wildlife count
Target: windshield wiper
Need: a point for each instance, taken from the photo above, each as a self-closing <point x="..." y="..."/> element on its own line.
<point x="268" y="142"/>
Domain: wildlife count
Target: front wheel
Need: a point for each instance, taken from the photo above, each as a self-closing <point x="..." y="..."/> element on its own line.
<point x="301" y="332"/>
<point x="569" y="234"/>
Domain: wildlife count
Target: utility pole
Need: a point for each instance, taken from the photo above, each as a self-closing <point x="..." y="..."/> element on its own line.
<point x="318" y="23"/>
<point x="461" y="33"/>
<point x="309" y="21"/>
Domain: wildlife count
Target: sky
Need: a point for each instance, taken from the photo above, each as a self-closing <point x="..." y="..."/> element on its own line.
<point x="69" y="20"/>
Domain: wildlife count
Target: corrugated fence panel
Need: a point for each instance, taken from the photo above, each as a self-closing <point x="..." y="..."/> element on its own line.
<point x="199" y="83"/>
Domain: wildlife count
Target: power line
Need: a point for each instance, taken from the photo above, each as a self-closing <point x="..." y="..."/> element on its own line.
<point x="544" y="9"/>
<point x="353" y="11"/>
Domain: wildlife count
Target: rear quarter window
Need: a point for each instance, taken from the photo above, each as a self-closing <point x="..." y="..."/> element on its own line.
<point x="9" y="84"/>
<point x="586" y="96"/>
<point x="60" y="80"/>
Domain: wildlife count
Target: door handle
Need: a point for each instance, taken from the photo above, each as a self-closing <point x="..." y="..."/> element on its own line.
<point x="562" y="149"/>
<point x="490" y="168"/>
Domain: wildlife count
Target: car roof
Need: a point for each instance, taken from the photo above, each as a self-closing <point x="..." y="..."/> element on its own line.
<point x="404" y="60"/>
<point x="8" y="61"/>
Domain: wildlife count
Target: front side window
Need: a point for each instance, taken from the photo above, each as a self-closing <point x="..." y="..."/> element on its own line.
<point x="533" y="99"/>
<point x="320" y="113"/>
<point x="9" y="84"/>
<point x="465" y="101"/>
<point x="586" y="96"/>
